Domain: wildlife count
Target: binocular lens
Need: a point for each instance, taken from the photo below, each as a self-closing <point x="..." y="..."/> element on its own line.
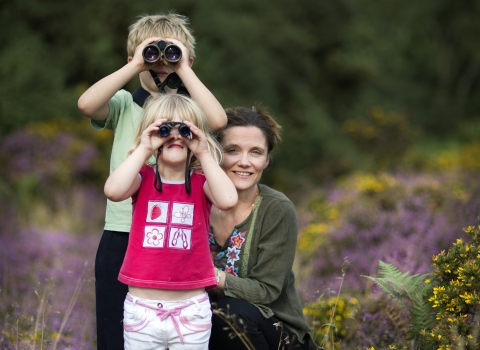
<point x="184" y="130"/>
<point x="173" y="53"/>
<point x="151" y="54"/>
<point x="164" y="130"/>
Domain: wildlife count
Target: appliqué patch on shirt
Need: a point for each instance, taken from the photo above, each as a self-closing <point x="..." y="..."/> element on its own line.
<point x="157" y="211"/>
<point x="154" y="237"/>
<point x="180" y="238"/>
<point x="182" y="213"/>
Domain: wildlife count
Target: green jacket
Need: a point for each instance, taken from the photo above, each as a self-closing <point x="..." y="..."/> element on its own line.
<point x="264" y="265"/>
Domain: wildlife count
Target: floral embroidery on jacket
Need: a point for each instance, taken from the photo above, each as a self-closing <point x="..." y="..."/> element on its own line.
<point x="227" y="258"/>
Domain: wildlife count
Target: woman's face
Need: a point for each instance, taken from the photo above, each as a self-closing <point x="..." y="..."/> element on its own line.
<point x="245" y="155"/>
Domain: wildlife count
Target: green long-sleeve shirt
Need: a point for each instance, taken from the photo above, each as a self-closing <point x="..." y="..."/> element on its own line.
<point x="258" y="259"/>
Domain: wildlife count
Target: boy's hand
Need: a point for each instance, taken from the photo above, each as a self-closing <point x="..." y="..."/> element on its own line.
<point x="184" y="61"/>
<point x="198" y="142"/>
<point x="137" y="58"/>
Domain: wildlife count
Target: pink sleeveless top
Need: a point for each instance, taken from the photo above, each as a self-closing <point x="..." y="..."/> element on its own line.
<point x="168" y="243"/>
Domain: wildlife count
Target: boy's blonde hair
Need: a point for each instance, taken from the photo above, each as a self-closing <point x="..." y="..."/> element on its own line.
<point x="164" y="107"/>
<point x="171" y="25"/>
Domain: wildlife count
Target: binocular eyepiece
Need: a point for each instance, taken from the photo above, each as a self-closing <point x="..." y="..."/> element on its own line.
<point x="166" y="128"/>
<point x="155" y="51"/>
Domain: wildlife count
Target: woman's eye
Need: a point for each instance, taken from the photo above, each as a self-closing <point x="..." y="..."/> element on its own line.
<point x="232" y="150"/>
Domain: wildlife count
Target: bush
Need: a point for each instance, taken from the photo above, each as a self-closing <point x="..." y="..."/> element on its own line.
<point x="456" y="295"/>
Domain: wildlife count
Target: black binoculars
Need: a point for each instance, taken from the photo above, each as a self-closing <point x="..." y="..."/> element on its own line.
<point x="155" y="51"/>
<point x="166" y="127"/>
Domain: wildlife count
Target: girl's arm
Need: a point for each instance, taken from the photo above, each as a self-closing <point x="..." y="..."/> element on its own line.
<point x="222" y="193"/>
<point x="124" y="181"/>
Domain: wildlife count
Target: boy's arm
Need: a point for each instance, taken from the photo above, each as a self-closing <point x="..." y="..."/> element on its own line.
<point x="216" y="117"/>
<point x="94" y="102"/>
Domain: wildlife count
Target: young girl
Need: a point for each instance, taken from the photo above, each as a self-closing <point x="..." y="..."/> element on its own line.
<point x="167" y="266"/>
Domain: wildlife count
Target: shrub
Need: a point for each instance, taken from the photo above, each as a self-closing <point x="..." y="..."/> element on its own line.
<point x="456" y="295"/>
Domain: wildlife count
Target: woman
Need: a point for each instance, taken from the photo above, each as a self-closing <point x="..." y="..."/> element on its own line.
<point x="253" y="246"/>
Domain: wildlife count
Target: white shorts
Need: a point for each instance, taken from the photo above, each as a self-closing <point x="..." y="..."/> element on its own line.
<point x="158" y="324"/>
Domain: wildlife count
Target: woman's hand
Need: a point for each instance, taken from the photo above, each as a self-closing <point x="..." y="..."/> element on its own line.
<point x="221" y="277"/>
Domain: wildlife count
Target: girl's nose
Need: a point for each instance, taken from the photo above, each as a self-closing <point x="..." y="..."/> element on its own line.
<point x="177" y="136"/>
<point x="175" y="133"/>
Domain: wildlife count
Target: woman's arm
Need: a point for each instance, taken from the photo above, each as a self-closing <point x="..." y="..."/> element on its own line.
<point x="278" y="230"/>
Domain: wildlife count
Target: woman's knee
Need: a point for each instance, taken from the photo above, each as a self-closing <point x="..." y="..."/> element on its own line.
<point x="235" y="310"/>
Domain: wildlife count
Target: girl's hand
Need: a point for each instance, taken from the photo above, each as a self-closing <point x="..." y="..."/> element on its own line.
<point x="150" y="139"/>
<point x="198" y="142"/>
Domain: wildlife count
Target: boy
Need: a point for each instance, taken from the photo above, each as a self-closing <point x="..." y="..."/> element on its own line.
<point x="109" y="107"/>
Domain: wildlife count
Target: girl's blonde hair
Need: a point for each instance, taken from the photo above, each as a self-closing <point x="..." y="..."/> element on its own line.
<point x="164" y="106"/>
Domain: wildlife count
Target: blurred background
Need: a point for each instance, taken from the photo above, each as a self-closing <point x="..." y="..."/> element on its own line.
<point x="379" y="103"/>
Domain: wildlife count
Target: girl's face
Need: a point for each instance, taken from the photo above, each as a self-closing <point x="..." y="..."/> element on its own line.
<point x="245" y="155"/>
<point x="174" y="149"/>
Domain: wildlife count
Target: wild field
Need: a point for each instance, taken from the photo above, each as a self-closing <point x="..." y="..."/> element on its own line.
<point x="420" y="226"/>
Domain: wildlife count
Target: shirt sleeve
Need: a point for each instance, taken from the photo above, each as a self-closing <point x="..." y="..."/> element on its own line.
<point x="278" y="230"/>
<point x="116" y="104"/>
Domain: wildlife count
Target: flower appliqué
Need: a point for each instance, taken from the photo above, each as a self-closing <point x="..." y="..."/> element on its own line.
<point x="237" y="241"/>
<point x="233" y="255"/>
<point x="154" y="237"/>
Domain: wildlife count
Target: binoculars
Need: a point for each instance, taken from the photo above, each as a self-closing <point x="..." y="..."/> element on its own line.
<point x="155" y="51"/>
<point x="166" y="127"/>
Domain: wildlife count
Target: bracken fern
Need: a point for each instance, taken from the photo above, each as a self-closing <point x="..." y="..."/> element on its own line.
<point x="410" y="292"/>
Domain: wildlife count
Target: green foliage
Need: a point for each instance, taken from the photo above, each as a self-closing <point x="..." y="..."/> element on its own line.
<point x="453" y="295"/>
<point x="385" y="136"/>
<point x="410" y="292"/>
<point x="456" y="295"/>
<point x="316" y="65"/>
